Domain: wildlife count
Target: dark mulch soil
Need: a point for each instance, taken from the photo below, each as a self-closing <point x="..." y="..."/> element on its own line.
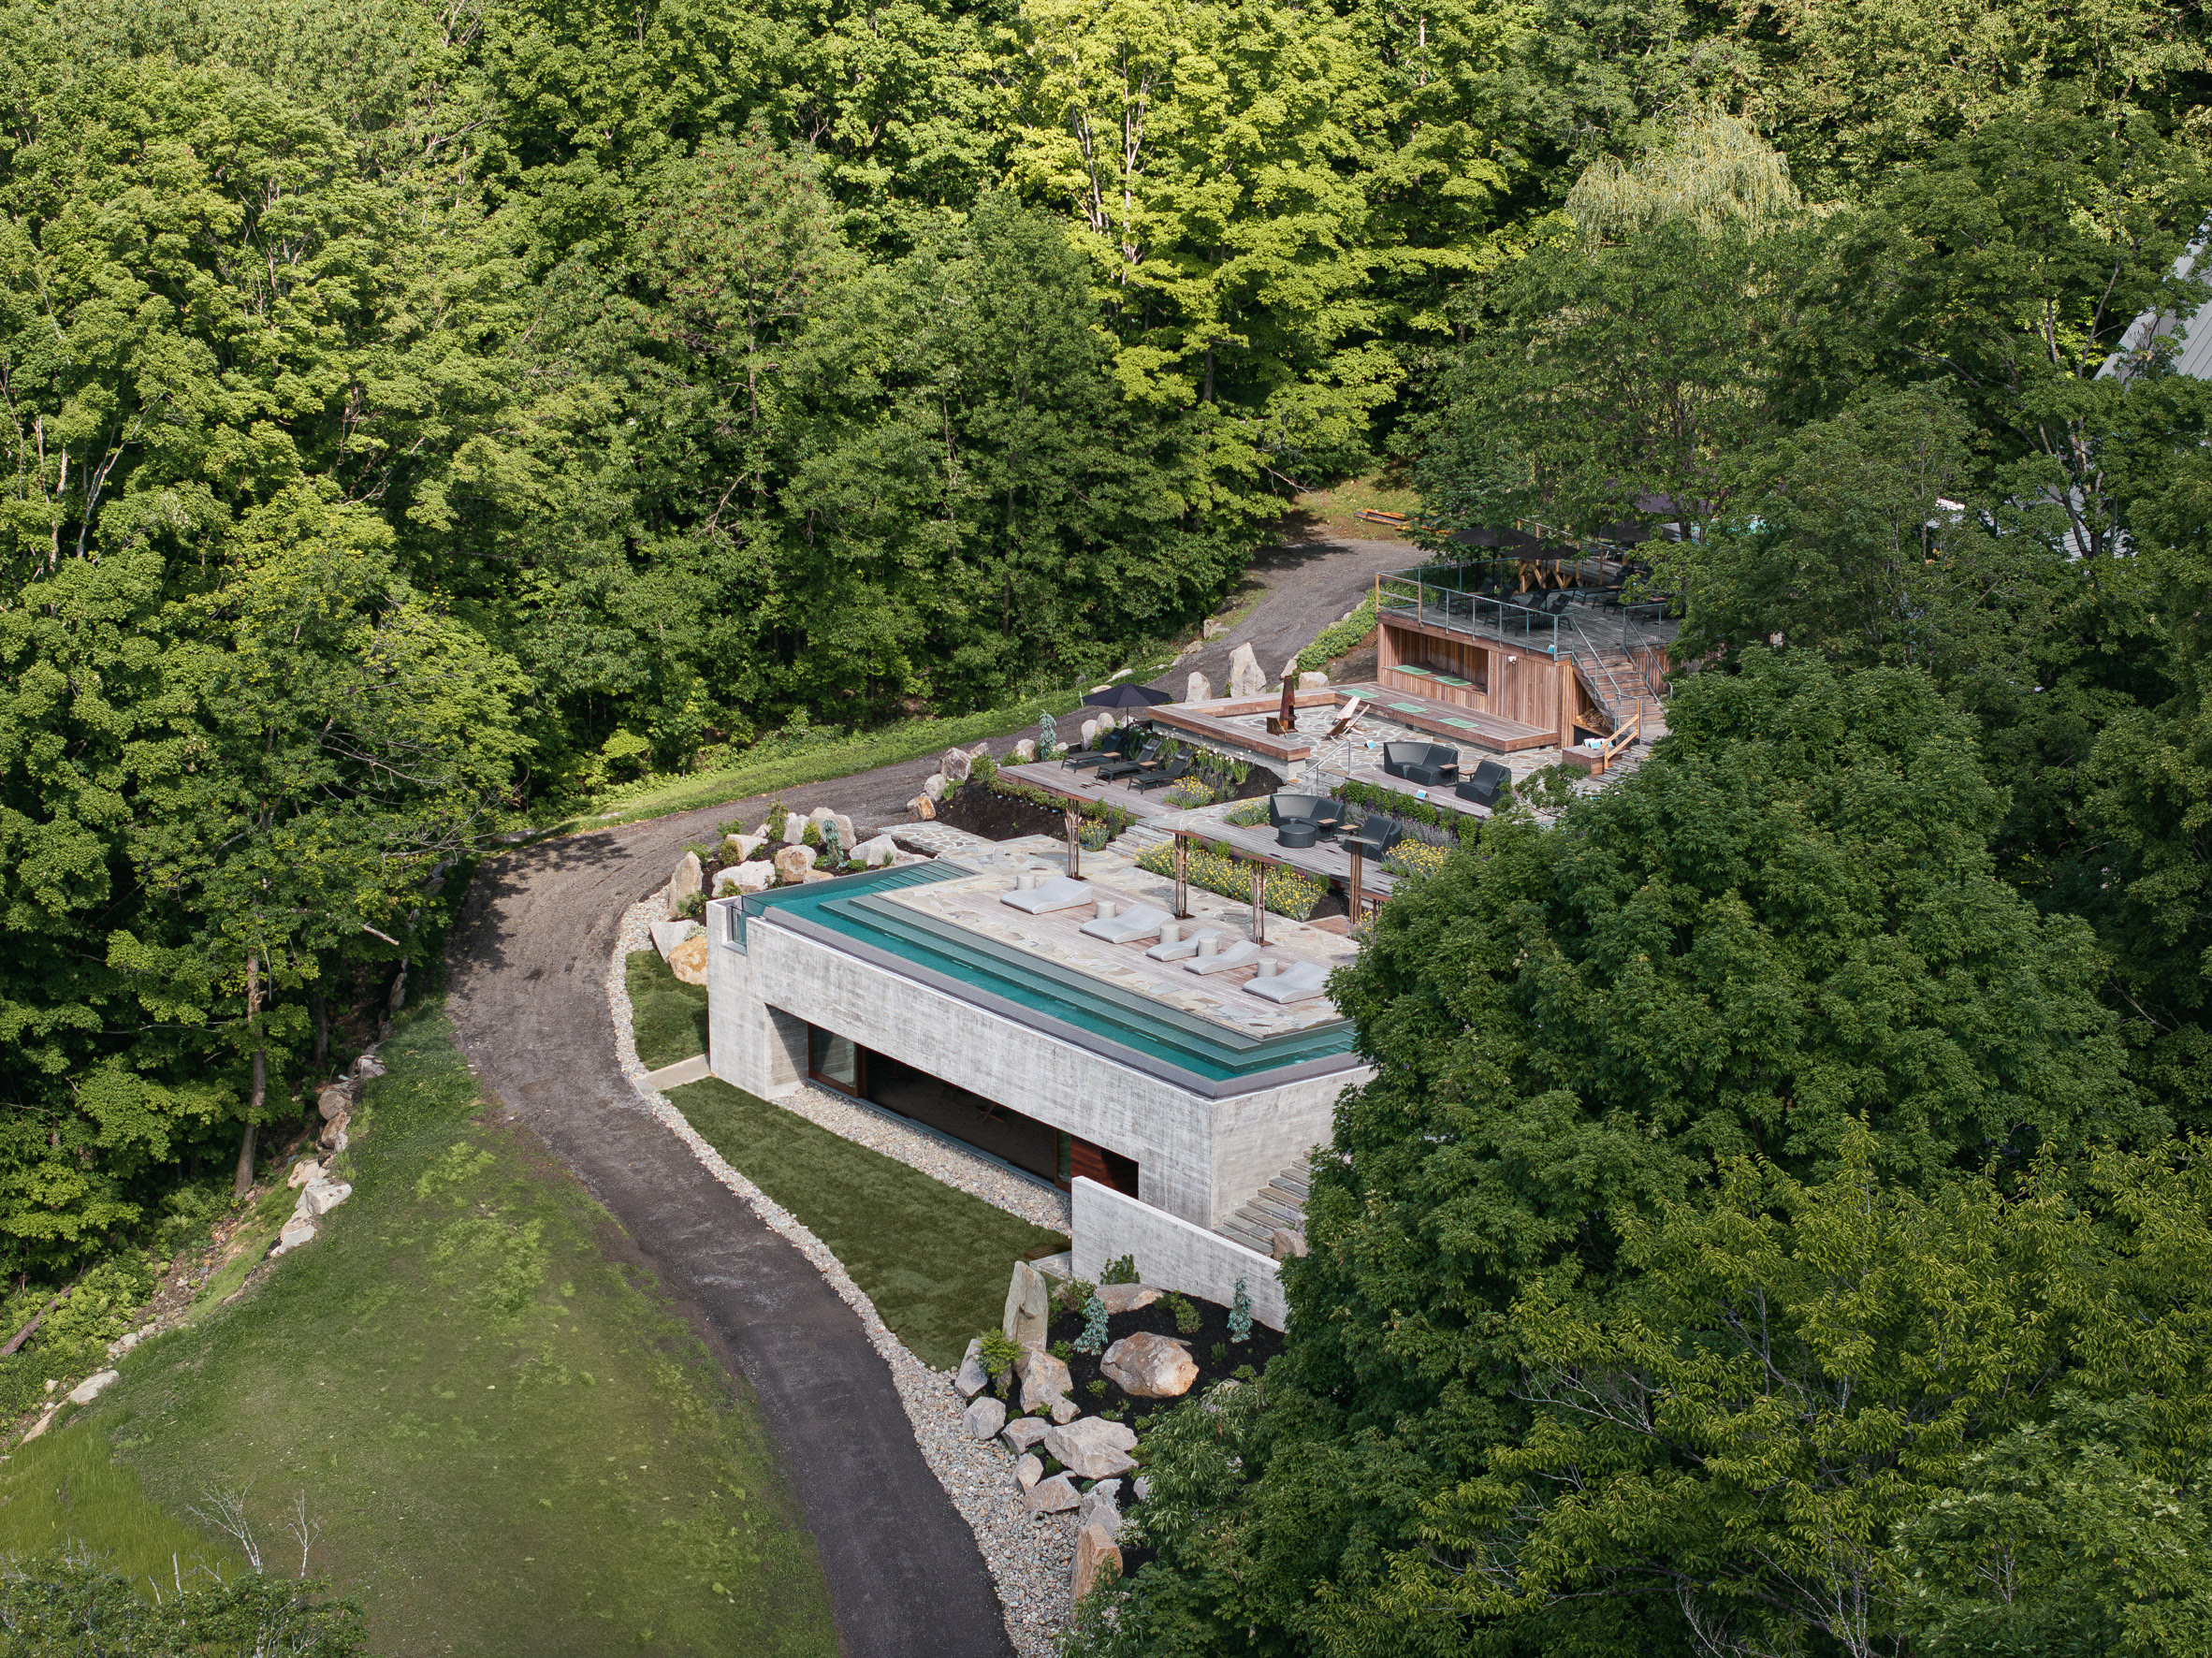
<point x="998" y="817"/>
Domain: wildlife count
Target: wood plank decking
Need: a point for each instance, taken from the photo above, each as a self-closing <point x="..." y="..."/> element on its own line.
<point x="1447" y="720"/>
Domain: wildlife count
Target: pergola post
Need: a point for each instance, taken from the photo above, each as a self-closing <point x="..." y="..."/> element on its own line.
<point x="1069" y="817"/>
<point x="1355" y="903"/>
<point x="1181" y="877"/>
<point x="1259" y="902"/>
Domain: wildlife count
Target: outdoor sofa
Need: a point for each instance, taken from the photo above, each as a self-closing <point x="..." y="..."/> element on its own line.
<point x="1483" y="786"/>
<point x="1431" y="764"/>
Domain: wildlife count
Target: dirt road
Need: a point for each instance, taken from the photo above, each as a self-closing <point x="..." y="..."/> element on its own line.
<point x="528" y="963"/>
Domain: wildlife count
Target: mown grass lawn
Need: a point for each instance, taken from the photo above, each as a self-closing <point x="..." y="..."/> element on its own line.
<point x="933" y="1259"/>
<point x="510" y="1442"/>
<point x="668" y="1015"/>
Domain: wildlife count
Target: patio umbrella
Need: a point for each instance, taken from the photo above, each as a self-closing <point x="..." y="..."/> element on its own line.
<point x="1126" y="696"/>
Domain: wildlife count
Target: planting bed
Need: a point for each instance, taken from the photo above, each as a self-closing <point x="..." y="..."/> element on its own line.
<point x="1213" y="1331"/>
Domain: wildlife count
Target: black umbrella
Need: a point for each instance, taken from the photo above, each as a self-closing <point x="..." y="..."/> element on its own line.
<point x="1126" y="696"/>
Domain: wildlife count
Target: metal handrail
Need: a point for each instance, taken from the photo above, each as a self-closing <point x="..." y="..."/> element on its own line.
<point x="1449" y="604"/>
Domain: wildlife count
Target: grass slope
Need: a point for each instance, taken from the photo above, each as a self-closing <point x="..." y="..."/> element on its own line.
<point x="669" y="1016"/>
<point x="511" y="1444"/>
<point x="933" y="1259"/>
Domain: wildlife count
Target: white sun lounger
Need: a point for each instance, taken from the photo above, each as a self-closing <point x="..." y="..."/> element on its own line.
<point x="1301" y="982"/>
<point x="1235" y="957"/>
<point x="1142" y="921"/>
<point x="1185" y="946"/>
<point x="1056" y="894"/>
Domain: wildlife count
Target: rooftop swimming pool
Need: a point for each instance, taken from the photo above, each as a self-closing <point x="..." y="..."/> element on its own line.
<point x="1032" y="989"/>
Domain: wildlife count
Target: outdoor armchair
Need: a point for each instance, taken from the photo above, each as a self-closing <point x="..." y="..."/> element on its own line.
<point x="1483" y="787"/>
<point x="1375" y="835"/>
<point x="1428" y="764"/>
<point x="1323" y="813"/>
<point x="1116" y="747"/>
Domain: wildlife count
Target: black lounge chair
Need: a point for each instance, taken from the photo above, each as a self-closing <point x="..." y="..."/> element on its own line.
<point x="1428" y="763"/>
<point x="1130" y="768"/>
<point x="1116" y="747"/>
<point x="1172" y="772"/>
<point x="1483" y="788"/>
<point x="1285" y="808"/>
<point x="1375" y="835"/>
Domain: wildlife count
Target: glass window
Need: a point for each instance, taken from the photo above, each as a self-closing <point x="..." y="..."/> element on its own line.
<point x="833" y="1059"/>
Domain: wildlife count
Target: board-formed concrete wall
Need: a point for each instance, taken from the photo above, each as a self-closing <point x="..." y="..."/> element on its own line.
<point x="1170" y="1252"/>
<point x="1197" y="1157"/>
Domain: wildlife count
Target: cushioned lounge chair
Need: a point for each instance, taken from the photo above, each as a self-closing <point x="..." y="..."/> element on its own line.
<point x="1130" y="768"/>
<point x="1323" y="813"/>
<point x="1237" y="955"/>
<point x="1056" y="894"/>
<point x="1141" y="922"/>
<point x="1170" y="773"/>
<point x="1183" y="947"/>
<point x="1301" y="981"/>
<point x="1116" y="747"/>
<point x="1429" y="764"/>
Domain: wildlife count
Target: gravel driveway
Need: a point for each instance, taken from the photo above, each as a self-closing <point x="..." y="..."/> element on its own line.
<point x="528" y="960"/>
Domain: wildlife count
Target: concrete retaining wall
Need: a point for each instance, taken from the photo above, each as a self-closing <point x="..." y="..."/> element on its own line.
<point x="1170" y="1252"/>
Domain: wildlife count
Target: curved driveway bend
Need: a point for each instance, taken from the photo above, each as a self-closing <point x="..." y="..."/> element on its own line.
<point x="528" y="964"/>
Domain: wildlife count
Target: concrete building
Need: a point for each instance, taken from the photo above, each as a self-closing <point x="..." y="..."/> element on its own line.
<point x="1061" y="1042"/>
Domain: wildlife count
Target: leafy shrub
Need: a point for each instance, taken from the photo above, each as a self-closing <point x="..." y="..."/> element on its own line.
<point x="1246" y="814"/>
<point x="1097" y="1388"/>
<point x="1186" y="1315"/>
<point x="810" y="835"/>
<point x="982" y="769"/>
<point x="1411" y="810"/>
<point x="1074" y="1292"/>
<point x="1221" y="1354"/>
<point x="999" y="1353"/>
<point x="1188" y="794"/>
<point x="1286" y="892"/>
<point x="70" y="1604"/>
<point x="1061" y="1350"/>
<point x="779" y="815"/>
<point x="691" y="906"/>
<point x="1240" y="1315"/>
<point x="1121" y="1271"/>
<point x="1339" y="637"/>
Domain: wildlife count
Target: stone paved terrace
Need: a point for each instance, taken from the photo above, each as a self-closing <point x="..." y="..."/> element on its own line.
<point x="973" y="905"/>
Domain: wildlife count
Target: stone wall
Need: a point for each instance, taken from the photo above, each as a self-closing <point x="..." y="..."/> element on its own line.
<point x="1170" y="1252"/>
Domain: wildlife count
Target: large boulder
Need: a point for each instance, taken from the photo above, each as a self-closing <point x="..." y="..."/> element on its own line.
<point x="876" y="852"/>
<point x="334" y="1101"/>
<point x="1313" y="679"/>
<point x="1197" y="687"/>
<point x="368" y="1066"/>
<point x="793" y="861"/>
<point x="1287" y="1242"/>
<point x="1028" y="1472"/>
<point x="922" y="808"/>
<point x="1056" y="1496"/>
<point x="933" y="787"/>
<point x="689" y="881"/>
<point x="1045" y="1380"/>
<point x="1245" y="675"/>
<point x="667" y="935"/>
<point x="1101" y="1507"/>
<point x="307" y="1168"/>
<point x="1028" y="1307"/>
<point x="1091" y="733"/>
<point x="972" y="1378"/>
<point x="319" y="1197"/>
<point x="1024" y="752"/>
<point x="737" y="848"/>
<point x="956" y="765"/>
<point x="983" y="1419"/>
<point x="1022" y="1433"/>
<point x="755" y="877"/>
<point x="1095" y="1553"/>
<point x="1150" y="1367"/>
<point x="93" y="1387"/>
<point x="298" y="1230"/>
<point x="1092" y="1447"/>
<point x="1118" y="1299"/>
<point x="687" y="960"/>
<point x="1064" y="1410"/>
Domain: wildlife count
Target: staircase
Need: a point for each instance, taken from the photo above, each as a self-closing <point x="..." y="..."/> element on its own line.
<point x="1613" y="678"/>
<point x="1281" y="1203"/>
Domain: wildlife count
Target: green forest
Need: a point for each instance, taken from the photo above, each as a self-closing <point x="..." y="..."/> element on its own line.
<point x="1779" y="1221"/>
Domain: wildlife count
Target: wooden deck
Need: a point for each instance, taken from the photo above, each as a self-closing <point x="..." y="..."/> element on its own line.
<point x="1324" y="858"/>
<point x="1206" y="722"/>
<point x="1455" y="725"/>
<point x="1055" y="778"/>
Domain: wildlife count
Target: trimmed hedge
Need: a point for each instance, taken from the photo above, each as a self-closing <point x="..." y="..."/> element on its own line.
<point x="1417" y="812"/>
<point x="1287" y="892"/>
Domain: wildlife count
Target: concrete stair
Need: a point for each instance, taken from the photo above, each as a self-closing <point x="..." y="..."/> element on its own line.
<point x="1281" y="1203"/>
